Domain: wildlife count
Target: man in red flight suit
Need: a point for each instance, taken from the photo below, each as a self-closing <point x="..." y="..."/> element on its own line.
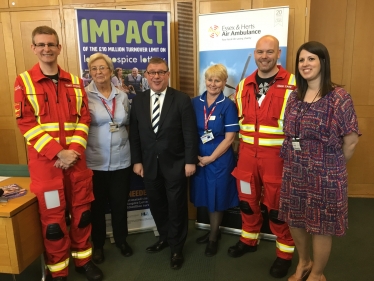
<point x="261" y="100"/>
<point x="52" y="114"/>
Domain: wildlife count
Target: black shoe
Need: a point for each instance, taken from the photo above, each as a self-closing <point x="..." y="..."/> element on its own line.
<point x="176" y="261"/>
<point x="240" y="249"/>
<point x="157" y="247"/>
<point x="98" y="255"/>
<point x="205" y="238"/>
<point x="92" y="272"/>
<point x="280" y="267"/>
<point x="126" y="249"/>
<point x="211" y="248"/>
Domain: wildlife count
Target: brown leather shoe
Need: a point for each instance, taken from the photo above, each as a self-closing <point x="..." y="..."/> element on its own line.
<point x="305" y="274"/>
<point x="176" y="260"/>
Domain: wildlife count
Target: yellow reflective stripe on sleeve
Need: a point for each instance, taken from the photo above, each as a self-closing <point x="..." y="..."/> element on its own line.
<point x="82" y="127"/>
<point x="238" y="97"/>
<point x="78" y="139"/>
<point x="250" y="235"/>
<point x="58" y="266"/>
<point x="247" y="139"/>
<point x="270" y="142"/>
<point x="33" y="132"/>
<point x="50" y="127"/>
<point x="70" y="126"/>
<point x="285" y="248"/>
<point x="82" y="255"/>
<point x="42" y="142"/>
<point x="30" y="91"/>
<point x="78" y="93"/>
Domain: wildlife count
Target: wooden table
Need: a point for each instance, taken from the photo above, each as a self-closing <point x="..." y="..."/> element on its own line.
<point x="21" y="240"/>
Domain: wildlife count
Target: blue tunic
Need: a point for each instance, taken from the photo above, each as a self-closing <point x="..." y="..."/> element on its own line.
<point x="213" y="186"/>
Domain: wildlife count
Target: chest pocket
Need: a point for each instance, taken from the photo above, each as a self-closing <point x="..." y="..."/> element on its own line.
<point x="39" y="102"/>
<point x="277" y="106"/>
<point x="74" y="96"/>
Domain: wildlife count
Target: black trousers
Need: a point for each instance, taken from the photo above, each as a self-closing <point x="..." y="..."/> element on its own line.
<point x="168" y="205"/>
<point x="110" y="187"/>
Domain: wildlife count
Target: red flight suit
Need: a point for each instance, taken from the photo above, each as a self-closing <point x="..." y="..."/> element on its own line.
<point x="52" y="119"/>
<point x="259" y="168"/>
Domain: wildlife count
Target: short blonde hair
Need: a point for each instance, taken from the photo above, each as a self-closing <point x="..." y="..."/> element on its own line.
<point x="217" y="70"/>
<point x="96" y="56"/>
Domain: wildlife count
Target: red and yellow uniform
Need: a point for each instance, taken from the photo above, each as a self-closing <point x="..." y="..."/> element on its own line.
<point x="259" y="168"/>
<point x="53" y="118"/>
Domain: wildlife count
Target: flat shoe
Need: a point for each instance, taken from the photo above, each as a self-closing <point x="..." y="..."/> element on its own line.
<point x="157" y="247"/>
<point x="211" y="248"/>
<point x="176" y="261"/>
<point x="205" y="238"/>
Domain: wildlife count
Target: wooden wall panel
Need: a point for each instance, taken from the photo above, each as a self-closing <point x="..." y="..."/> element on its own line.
<point x="352" y="64"/>
<point x="31" y="3"/>
<point x="70" y="47"/>
<point x="12" y="145"/>
<point x="216" y="6"/>
<point x="186" y="47"/>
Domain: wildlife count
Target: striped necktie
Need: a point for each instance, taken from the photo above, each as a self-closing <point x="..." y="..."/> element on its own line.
<point x="156" y="112"/>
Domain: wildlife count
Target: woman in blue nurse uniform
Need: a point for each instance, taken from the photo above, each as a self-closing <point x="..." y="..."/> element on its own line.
<point x="213" y="186"/>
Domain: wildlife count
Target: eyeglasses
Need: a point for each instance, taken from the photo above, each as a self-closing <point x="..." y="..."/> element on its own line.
<point x="42" y="45"/>
<point x="101" y="68"/>
<point x="160" y="73"/>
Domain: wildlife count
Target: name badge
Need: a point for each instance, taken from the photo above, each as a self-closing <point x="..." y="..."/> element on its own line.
<point x="208" y="136"/>
<point x="113" y="127"/>
<point x="296" y="144"/>
<point x="212" y="118"/>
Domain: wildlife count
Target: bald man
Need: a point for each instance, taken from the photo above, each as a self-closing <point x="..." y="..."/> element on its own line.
<point x="261" y="99"/>
<point x="134" y="79"/>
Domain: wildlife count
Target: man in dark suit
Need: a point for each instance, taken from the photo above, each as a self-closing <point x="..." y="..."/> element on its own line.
<point x="163" y="143"/>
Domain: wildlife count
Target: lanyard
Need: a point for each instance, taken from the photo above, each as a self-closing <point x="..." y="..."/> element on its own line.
<point x="206" y="119"/>
<point x="258" y="95"/>
<point x="303" y="113"/>
<point x="110" y="111"/>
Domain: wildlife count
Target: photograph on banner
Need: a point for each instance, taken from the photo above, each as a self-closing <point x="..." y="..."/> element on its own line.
<point x="230" y="38"/>
<point x="129" y="38"/>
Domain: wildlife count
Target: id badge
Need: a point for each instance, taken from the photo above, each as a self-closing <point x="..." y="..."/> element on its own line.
<point x="113" y="127"/>
<point x="208" y="136"/>
<point x="296" y="144"/>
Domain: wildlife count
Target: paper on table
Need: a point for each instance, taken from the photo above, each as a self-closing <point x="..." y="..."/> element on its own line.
<point x="4" y="178"/>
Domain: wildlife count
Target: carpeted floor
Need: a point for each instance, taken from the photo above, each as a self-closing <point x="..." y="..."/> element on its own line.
<point x="351" y="258"/>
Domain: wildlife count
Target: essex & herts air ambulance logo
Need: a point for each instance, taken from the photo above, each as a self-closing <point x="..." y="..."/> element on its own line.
<point x="214" y="31"/>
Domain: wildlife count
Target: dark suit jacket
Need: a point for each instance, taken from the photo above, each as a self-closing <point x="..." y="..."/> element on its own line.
<point x="176" y="142"/>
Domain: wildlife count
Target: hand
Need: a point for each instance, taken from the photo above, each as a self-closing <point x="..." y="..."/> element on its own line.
<point x="68" y="157"/>
<point x="60" y="165"/>
<point x="138" y="169"/>
<point x="204" y="160"/>
<point x="190" y="169"/>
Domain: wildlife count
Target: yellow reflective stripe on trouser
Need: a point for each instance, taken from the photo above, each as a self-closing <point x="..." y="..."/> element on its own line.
<point x="238" y="98"/>
<point x="42" y="142"/>
<point x="78" y="93"/>
<point x="250" y="235"/>
<point x="58" y="266"/>
<point x="270" y="142"/>
<point x="82" y="255"/>
<point x="78" y="139"/>
<point x="247" y="139"/>
<point x="285" y="248"/>
<point x="30" y="91"/>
